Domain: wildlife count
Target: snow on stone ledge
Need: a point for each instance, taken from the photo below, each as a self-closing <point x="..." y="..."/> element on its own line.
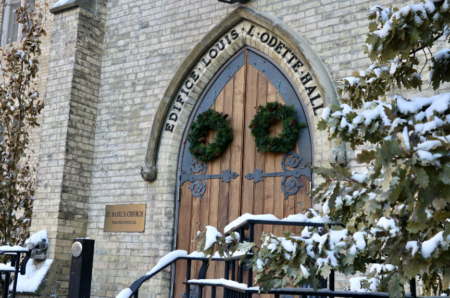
<point x="167" y="259"/>
<point x="34" y="275"/>
<point x="38" y="237"/>
<point x="61" y="3"/>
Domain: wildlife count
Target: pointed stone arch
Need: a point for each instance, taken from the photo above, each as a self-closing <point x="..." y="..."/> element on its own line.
<point x="243" y="27"/>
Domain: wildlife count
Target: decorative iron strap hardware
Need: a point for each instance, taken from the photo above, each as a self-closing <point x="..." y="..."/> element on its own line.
<point x="198" y="186"/>
<point x="194" y="292"/>
<point x="291" y="186"/>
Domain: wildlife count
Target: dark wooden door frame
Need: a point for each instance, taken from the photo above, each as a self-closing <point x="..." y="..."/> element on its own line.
<point x="194" y="112"/>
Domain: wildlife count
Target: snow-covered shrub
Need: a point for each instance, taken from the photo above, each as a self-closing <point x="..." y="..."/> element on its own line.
<point x="398" y="211"/>
<point x="19" y="109"/>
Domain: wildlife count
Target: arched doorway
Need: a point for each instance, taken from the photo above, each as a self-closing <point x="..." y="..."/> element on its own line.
<point x="209" y="192"/>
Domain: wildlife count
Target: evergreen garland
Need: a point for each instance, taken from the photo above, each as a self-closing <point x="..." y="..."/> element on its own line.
<point x="284" y="141"/>
<point x="199" y="128"/>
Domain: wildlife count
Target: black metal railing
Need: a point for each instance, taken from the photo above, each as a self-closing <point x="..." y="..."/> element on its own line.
<point x="201" y="275"/>
<point x="231" y="264"/>
<point x="16" y="269"/>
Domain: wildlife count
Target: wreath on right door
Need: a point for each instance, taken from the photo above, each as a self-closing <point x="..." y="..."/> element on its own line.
<point x="283" y="142"/>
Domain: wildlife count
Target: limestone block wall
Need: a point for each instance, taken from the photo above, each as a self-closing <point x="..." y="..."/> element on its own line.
<point x="67" y="134"/>
<point x="103" y="78"/>
<point x="145" y="42"/>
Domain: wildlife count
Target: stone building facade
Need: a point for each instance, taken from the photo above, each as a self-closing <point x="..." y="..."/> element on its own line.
<point x="110" y="71"/>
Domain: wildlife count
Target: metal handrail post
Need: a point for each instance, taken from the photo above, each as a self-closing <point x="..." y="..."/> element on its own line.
<point x="6" y="284"/>
<point x="16" y="274"/>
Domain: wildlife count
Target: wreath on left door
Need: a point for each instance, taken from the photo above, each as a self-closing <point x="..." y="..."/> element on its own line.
<point x="197" y="135"/>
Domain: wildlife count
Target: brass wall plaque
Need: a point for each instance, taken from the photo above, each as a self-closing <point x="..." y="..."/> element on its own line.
<point x="125" y="218"/>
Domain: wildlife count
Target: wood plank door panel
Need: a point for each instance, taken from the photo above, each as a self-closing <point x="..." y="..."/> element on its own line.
<point x="248" y="81"/>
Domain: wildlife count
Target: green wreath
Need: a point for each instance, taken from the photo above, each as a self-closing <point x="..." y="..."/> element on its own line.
<point x="284" y="141"/>
<point x="205" y="121"/>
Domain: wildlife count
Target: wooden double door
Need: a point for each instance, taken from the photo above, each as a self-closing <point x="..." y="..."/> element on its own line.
<point x="209" y="192"/>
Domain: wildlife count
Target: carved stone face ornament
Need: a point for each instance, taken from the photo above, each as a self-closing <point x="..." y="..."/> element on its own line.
<point x="38" y="250"/>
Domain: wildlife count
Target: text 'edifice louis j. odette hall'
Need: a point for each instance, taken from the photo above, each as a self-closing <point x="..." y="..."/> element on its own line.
<point x="124" y="79"/>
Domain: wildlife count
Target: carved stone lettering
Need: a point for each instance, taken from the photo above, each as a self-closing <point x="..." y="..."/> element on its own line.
<point x="273" y="41"/>
<point x="213" y="53"/>
<point x="264" y="37"/>
<point x="250" y="30"/>
<point x="314" y="98"/>
<point x="221" y="47"/>
<point x="279" y="47"/>
<point x="267" y="38"/>
<point x="234" y="34"/>
<point x="310" y="90"/>
<point x="173" y="117"/>
<point x="194" y="76"/>
<point x="228" y="39"/>
<point x="206" y="62"/>
<point x="188" y="84"/>
<point x="179" y="100"/>
<point x="316" y="108"/>
<point x="306" y="78"/>
<point x="169" y="127"/>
